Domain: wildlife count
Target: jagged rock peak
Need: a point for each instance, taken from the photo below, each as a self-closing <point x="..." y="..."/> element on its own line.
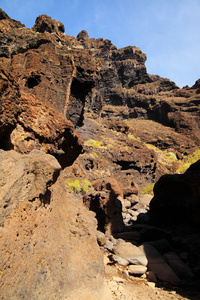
<point x="196" y="85"/>
<point x="93" y="43"/>
<point x="45" y="23"/>
<point x="4" y="16"/>
<point x="83" y="35"/>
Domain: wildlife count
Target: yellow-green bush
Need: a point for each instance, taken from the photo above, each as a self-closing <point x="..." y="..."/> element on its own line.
<point x="188" y="160"/>
<point x="148" y="189"/>
<point x="132" y="137"/>
<point x="93" y="143"/>
<point x="110" y="146"/>
<point x="77" y="186"/>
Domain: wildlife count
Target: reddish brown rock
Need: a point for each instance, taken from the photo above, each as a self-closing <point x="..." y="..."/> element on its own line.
<point x="44" y="250"/>
<point x="44" y="23"/>
<point x="24" y="178"/>
<point x="69" y="75"/>
<point x="110" y="184"/>
<point x="4" y="16"/>
<point x="39" y="82"/>
<point x="105" y="203"/>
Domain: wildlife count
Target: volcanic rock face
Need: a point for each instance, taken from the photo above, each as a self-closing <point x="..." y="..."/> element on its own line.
<point x="82" y="105"/>
<point x="31" y="62"/>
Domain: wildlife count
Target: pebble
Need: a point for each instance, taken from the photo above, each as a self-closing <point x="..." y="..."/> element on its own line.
<point x="113" y="240"/>
<point x="109" y="246"/>
<point x="172" y="292"/>
<point x="134" y="199"/>
<point x="126" y="204"/>
<point x="132" y="212"/>
<point x="118" y="279"/>
<point x="134" y="218"/>
<point x="126" y="273"/>
<point x="137" y="269"/>
<point x="101" y="238"/>
<point x="151" y="285"/>
<point x="142" y="211"/>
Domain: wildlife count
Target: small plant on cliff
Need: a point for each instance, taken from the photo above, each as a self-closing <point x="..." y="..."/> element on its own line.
<point x="188" y="160"/>
<point x="148" y="189"/>
<point x="110" y="146"/>
<point x="132" y="137"/>
<point x="77" y="186"/>
<point x="23" y="138"/>
<point x="93" y="143"/>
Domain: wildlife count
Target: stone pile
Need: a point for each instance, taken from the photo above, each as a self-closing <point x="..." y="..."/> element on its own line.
<point x="154" y="260"/>
<point x="134" y="208"/>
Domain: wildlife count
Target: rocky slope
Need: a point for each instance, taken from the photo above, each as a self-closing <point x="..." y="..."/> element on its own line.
<point x="85" y="129"/>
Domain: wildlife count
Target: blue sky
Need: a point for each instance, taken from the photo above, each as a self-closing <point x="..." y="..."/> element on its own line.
<point x="167" y="31"/>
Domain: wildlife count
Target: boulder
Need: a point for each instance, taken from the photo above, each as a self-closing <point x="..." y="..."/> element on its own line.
<point x="24" y="178"/>
<point x="110" y="184"/>
<point x="158" y="265"/>
<point x="179" y="267"/>
<point x="177" y="197"/>
<point x="130" y="252"/>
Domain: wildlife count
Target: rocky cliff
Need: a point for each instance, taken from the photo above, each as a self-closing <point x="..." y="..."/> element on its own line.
<point x="85" y="129"/>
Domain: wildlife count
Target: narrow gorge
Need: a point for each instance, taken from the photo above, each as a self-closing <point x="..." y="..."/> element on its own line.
<point x="100" y="170"/>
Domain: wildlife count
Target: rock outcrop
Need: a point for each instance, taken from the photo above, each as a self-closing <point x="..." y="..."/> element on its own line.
<point x="25" y="178"/>
<point x="177" y="197"/>
<point x="38" y="83"/>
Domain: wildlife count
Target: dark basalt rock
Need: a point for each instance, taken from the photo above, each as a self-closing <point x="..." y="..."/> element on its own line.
<point x="177" y="198"/>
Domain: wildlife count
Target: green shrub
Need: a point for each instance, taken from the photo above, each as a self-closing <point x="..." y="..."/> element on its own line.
<point x="86" y="184"/>
<point x="110" y="146"/>
<point x="188" y="160"/>
<point x="93" y="143"/>
<point x="77" y="186"/>
<point x="132" y="137"/>
<point x="148" y="189"/>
